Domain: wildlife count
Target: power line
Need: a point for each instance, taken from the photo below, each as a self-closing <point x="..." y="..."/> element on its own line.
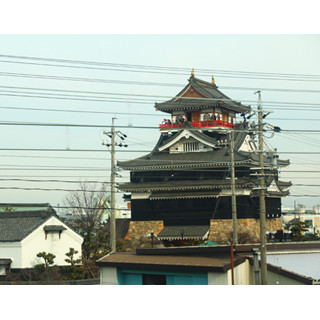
<point x="161" y="68"/>
<point x="94" y="191"/>
<point x="148" y="83"/>
<point x="148" y="96"/>
<point x="53" y="181"/>
<point x="15" y="123"/>
<point x="82" y="111"/>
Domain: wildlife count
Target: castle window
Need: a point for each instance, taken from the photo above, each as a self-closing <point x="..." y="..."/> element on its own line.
<point x="191" y="146"/>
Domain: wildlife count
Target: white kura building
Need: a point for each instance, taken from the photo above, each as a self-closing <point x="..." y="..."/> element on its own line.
<point x="23" y="234"/>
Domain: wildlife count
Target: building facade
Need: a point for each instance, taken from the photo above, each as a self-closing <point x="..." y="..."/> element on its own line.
<point x="182" y="189"/>
<point x="23" y="234"/>
<point x="287" y="264"/>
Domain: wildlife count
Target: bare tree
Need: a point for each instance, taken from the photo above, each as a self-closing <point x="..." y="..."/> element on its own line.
<point x="87" y="205"/>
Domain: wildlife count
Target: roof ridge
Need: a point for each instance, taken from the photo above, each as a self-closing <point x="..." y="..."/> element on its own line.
<point x="27" y="214"/>
<point x="28" y="204"/>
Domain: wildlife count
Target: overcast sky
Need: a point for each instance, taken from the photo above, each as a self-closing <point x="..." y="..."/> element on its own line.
<point x="288" y="62"/>
<point x="90" y="25"/>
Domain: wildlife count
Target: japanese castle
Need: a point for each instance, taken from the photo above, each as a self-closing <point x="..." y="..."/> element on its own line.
<point x="182" y="189"/>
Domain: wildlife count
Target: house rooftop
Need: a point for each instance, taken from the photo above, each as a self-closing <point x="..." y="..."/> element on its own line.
<point x="16" y="225"/>
<point x="25" y="207"/>
<point x="219" y="263"/>
<point x="295" y="260"/>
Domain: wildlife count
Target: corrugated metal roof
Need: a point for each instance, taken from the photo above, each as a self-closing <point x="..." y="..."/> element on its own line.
<point x="305" y="264"/>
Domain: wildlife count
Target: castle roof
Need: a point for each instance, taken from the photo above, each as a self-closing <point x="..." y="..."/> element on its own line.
<point x="219" y="157"/>
<point x="204" y="95"/>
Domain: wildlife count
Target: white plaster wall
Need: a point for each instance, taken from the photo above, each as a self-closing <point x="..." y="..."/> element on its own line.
<point x="178" y="147"/>
<point x="241" y="276"/>
<point x="11" y="250"/>
<point x="36" y="242"/>
<point x="247" y="145"/>
<point x="108" y="276"/>
<point x="218" y="278"/>
<point x="242" y="273"/>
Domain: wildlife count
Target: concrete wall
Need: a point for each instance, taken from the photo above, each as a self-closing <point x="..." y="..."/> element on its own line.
<point x="241" y="276"/>
<point x="108" y="276"/>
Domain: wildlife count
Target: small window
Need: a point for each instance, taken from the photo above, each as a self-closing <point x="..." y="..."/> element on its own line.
<point x="191" y="146"/>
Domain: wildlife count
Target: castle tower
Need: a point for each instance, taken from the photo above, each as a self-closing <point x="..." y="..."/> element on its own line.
<point x="182" y="189"/>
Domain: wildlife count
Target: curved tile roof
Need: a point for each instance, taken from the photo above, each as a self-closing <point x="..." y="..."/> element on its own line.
<point x="212" y="97"/>
<point x="16" y="225"/>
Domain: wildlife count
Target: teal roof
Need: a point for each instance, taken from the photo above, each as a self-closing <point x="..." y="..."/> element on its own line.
<point x="209" y="243"/>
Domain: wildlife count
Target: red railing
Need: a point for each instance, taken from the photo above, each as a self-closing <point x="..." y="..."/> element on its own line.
<point x="198" y="124"/>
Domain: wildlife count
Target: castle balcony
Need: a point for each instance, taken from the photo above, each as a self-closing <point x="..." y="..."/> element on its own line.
<point x="168" y="126"/>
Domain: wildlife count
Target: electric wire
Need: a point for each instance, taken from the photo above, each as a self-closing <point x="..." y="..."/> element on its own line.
<point x="146" y="68"/>
<point x="134" y="95"/>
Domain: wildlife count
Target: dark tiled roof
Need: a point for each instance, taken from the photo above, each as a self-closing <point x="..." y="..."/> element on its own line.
<point x="15" y="226"/>
<point x="53" y="228"/>
<point x="187" y="232"/>
<point x="218" y="157"/>
<point x="163" y="160"/>
<point x="184" y="195"/>
<point x="184" y="185"/>
<point x="5" y="262"/>
<point x="212" y="97"/>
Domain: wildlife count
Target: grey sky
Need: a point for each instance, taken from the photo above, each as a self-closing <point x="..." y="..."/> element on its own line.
<point x="279" y="54"/>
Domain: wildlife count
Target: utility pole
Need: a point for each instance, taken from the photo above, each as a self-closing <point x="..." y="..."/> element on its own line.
<point x="233" y="191"/>
<point x="264" y="277"/>
<point x="113" y="144"/>
<point x="113" y="192"/>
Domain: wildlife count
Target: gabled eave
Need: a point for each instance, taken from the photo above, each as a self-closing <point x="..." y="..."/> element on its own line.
<point x="186" y="133"/>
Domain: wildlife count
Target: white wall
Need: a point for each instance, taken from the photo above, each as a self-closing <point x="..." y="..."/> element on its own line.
<point x="218" y="278"/>
<point x="36" y="242"/>
<point x="241" y="276"/>
<point x="242" y="273"/>
<point x="108" y="275"/>
<point x="11" y="250"/>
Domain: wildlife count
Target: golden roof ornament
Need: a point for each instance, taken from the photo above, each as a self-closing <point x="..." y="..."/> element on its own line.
<point x="192" y="73"/>
<point x="213" y="81"/>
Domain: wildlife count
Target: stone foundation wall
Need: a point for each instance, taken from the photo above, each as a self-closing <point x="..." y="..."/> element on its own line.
<point x="220" y="230"/>
<point x="248" y="229"/>
<point x="138" y="229"/>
